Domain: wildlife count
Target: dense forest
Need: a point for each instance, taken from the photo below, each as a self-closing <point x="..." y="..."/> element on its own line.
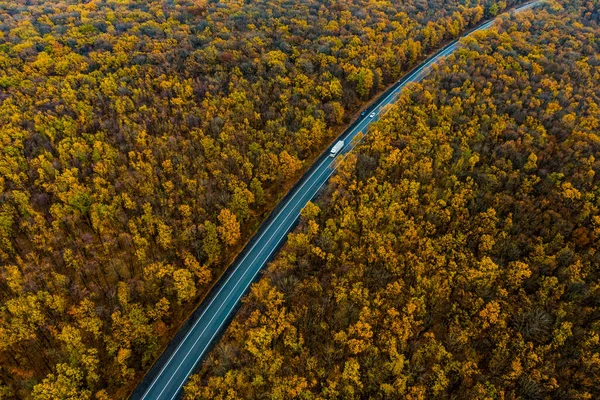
<point x="143" y="142"/>
<point x="455" y="253"/>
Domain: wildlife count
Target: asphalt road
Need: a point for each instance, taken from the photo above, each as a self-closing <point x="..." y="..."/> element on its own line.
<point x="197" y="336"/>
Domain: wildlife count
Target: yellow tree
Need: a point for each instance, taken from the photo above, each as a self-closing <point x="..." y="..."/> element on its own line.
<point x="229" y="228"/>
<point x="288" y="164"/>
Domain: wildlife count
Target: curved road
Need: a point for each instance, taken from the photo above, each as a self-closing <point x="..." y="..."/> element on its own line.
<point x="166" y="378"/>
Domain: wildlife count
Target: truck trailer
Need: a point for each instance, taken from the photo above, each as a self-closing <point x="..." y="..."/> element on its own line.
<point x="336" y="148"/>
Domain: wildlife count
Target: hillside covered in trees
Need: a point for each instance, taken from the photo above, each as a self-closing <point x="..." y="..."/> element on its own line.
<point x="143" y="141"/>
<point x="455" y="253"/>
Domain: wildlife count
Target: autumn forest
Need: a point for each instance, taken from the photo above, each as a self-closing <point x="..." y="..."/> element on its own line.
<point x="453" y="255"/>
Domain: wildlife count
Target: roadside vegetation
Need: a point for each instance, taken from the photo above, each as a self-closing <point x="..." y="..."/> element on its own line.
<point x="143" y="141"/>
<point x="455" y="253"/>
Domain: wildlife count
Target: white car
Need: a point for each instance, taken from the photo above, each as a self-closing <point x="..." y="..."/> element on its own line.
<point x="372" y="115"/>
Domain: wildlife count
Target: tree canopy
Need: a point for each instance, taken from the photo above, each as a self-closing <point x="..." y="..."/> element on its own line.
<point x="455" y="252"/>
<point x="143" y="141"/>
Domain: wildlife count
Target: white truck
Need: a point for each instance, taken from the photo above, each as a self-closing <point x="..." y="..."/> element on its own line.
<point x="336" y="148"/>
